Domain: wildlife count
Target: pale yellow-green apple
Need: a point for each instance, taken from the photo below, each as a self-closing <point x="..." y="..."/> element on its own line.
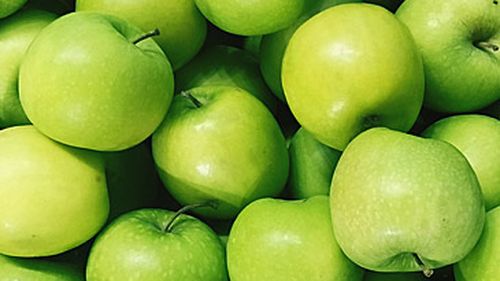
<point x="273" y="45"/>
<point x="222" y="144"/>
<point x="394" y="276"/>
<point x="283" y="240"/>
<point x="481" y="264"/>
<point x="460" y="45"/>
<point x="95" y="81"/>
<point x="404" y="203"/>
<point x="311" y="166"/>
<point x="182" y="27"/>
<point x="349" y="68"/>
<point x="225" y="66"/>
<point x="32" y="269"/>
<point x="52" y="197"/>
<point x="256" y="17"/>
<point x="157" y="245"/>
<point x="8" y="7"/>
<point x="478" y="138"/>
<point x="16" y="34"/>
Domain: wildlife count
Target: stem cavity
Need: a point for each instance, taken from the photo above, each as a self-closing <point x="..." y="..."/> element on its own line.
<point x="170" y="223"/>
<point x="487" y="46"/>
<point x="195" y="101"/>
<point x="145" y="36"/>
<point x="426" y="270"/>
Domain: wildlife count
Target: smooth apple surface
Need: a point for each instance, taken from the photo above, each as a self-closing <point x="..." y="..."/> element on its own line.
<point x="37" y="270"/>
<point x="349" y="68"/>
<point x="283" y="240"/>
<point x="16" y="34"/>
<point x="9" y="7"/>
<point x="478" y="138"/>
<point x="460" y="45"/>
<point x="52" y="197"/>
<point x="85" y="83"/>
<point x="417" y="203"/>
<point x="222" y="144"/>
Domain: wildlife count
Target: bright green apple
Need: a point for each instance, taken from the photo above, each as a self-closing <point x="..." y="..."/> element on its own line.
<point x="478" y="138"/>
<point x="460" y="45"/>
<point x="349" y="68"/>
<point x="280" y="240"/>
<point x="8" y="7"/>
<point x="16" y="34"/>
<point x="481" y="264"/>
<point x="24" y="269"/>
<point x="272" y="48"/>
<point x="182" y="27"/>
<point x="255" y="17"/>
<point x="222" y="144"/>
<point x="311" y="165"/>
<point x="156" y="245"/>
<point x="403" y="203"/>
<point x="225" y="66"/>
<point x="85" y="82"/>
<point x="52" y="197"/>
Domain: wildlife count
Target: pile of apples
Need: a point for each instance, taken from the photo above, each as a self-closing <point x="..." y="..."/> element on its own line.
<point x="264" y="140"/>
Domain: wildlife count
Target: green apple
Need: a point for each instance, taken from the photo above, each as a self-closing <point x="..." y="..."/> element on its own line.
<point x="311" y="165"/>
<point x="16" y="33"/>
<point x="417" y="203"/>
<point x="225" y="66"/>
<point x="23" y="269"/>
<point x="280" y="240"/>
<point x="349" y="68"/>
<point x="397" y="276"/>
<point x="156" y="245"/>
<point x="95" y="81"/>
<point x="272" y="48"/>
<point x="8" y="7"/>
<point x="52" y="197"/>
<point x="220" y="143"/>
<point x="481" y="264"/>
<point x="459" y="41"/>
<point x="478" y="138"/>
<point x="182" y="27"/>
<point x="255" y="17"/>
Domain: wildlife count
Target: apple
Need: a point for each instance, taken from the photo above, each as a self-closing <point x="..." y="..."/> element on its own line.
<point x="459" y="41"/>
<point x="95" y="81"/>
<point x="349" y="68"/>
<point x="225" y="66"/>
<point x="311" y="166"/>
<point x="404" y="203"/>
<point x="16" y="33"/>
<point x="252" y="17"/>
<point x="252" y="44"/>
<point x="278" y="240"/>
<point x="478" y="138"/>
<point x="182" y="27"/>
<point x="36" y="269"/>
<point x="8" y="7"/>
<point x="157" y="245"/>
<point x="52" y="197"/>
<point x="220" y="143"/>
<point x="481" y="264"/>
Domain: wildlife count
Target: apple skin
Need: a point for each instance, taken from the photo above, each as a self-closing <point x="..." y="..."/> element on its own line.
<point x="203" y="155"/>
<point x="481" y="264"/>
<point x="478" y="138"/>
<point x="349" y="68"/>
<point x="9" y="7"/>
<point x="249" y="18"/>
<point x="53" y="197"/>
<point x="75" y="88"/>
<point x="460" y="76"/>
<point x="136" y="247"/>
<point x="182" y="27"/>
<point x="275" y="239"/>
<point x="410" y="196"/>
<point x="12" y="268"/>
<point x="16" y="33"/>
<point x="311" y="166"/>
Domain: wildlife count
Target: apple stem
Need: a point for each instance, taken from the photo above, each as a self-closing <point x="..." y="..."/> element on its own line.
<point x="487" y="46"/>
<point x="152" y="33"/>
<point x="170" y="223"/>
<point x="425" y="268"/>
<point x="194" y="100"/>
